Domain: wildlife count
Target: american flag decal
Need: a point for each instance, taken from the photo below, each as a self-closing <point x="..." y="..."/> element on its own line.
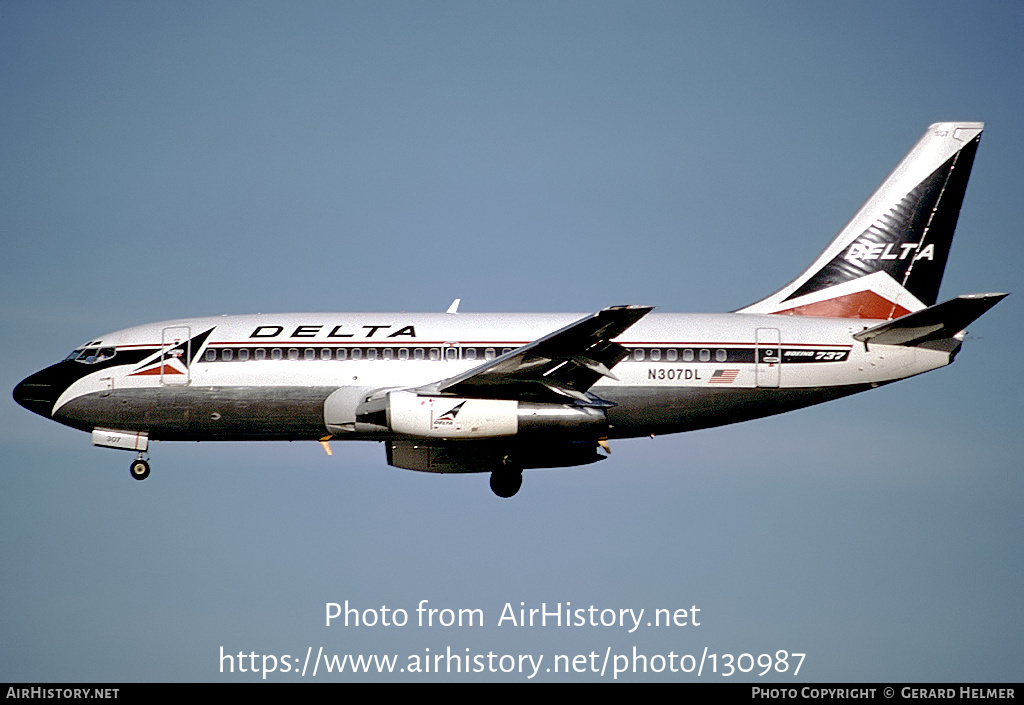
<point x="723" y="377"/>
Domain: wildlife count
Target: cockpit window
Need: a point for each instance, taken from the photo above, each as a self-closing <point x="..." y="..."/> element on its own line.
<point x="91" y="356"/>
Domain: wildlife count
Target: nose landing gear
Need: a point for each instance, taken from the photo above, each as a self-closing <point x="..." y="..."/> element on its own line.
<point x="139" y="468"/>
<point x="126" y="440"/>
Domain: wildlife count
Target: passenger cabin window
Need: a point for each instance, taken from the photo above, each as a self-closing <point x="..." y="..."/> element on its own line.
<point x="672" y="355"/>
<point x="705" y="355"/>
<point x="655" y="354"/>
<point x="489" y="354"/>
<point x="687" y="355"/>
<point x="720" y="355"/>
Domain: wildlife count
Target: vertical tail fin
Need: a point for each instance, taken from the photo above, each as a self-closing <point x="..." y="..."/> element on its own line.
<point x="888" y="260"/>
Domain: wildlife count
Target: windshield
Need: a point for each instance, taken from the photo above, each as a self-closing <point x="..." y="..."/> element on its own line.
<point x="91" y="356"/>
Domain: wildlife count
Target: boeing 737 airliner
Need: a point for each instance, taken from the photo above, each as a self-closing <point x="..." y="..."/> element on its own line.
<point x="457" y="392"/>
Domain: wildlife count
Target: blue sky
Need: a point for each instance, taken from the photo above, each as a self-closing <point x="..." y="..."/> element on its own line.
<point x="160" y="160"/>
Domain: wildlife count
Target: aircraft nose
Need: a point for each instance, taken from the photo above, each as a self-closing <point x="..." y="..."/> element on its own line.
<point x="37" y="393"/>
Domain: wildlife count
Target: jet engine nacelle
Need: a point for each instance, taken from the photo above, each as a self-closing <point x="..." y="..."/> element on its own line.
<point x="413" y="415"/>
<point x="447" y="417"/>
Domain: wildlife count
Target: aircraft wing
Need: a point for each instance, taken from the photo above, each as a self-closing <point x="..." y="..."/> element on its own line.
<point x="562" y="365"/>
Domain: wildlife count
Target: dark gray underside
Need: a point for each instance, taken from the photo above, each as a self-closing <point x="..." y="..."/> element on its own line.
<point x="296" y="413"/>
<point x="204" y="413"/>
<point x="641" y="411"/>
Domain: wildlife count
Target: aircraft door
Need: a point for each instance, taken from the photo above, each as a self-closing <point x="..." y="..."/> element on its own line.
<point x="175" y="354"/>
<point x="768" y="356"/>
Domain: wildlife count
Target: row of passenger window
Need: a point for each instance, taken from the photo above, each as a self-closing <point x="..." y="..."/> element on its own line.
<point x="455" y="353"/>
<point x="692" y="354"/>
<point x="349" y="353"/>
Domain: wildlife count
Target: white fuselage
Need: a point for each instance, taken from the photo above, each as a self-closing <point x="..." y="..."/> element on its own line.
<point x="271" y="375"/>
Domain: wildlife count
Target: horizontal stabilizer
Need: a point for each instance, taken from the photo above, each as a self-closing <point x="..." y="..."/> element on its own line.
<point x="937" y="322"/>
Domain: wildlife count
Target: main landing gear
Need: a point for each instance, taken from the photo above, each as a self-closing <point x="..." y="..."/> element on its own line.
<point x="507" y="480"/>
<point x="505" y="483"/>
<point x="139" y="468"/>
